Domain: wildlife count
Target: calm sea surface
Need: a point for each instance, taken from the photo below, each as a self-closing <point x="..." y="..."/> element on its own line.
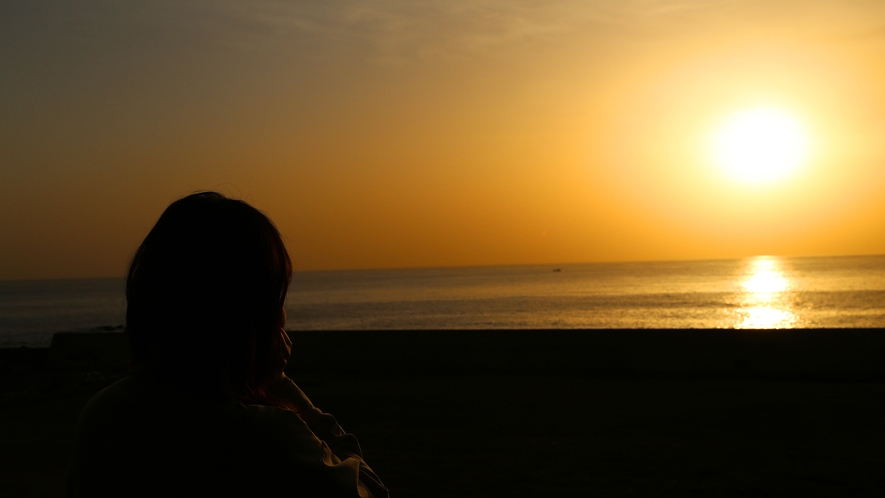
<point x="763" y="292"/>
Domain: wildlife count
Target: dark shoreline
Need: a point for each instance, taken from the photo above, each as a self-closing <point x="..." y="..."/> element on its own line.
<point x="814" y="354"/>
<point x="535" y="413"/>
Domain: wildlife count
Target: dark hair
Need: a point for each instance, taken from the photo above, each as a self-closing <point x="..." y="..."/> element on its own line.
<point x="205" y="295"/>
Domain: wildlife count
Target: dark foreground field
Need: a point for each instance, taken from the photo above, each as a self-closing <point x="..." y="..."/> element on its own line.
<point x="450" y="434"/>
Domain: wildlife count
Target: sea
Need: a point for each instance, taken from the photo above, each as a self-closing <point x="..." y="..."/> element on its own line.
<point x="765" y="292"/>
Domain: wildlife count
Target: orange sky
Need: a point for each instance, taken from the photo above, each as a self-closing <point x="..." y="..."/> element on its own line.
<point x="395" y="133"/>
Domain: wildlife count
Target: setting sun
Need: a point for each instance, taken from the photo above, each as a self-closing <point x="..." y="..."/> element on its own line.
<point x="760" y="145"/>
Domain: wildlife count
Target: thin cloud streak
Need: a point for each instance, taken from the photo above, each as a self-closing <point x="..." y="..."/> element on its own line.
<point x="393" y="30"/>
<point x="402" y="30"/>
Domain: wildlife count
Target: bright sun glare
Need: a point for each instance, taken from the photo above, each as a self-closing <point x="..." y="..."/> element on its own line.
<point x="760" y="145"/>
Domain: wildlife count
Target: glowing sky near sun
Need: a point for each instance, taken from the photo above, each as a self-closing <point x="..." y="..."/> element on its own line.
<point x="395" y="133"/>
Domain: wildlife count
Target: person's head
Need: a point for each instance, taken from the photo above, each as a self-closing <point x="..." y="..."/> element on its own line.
<point x="205" y="296"/>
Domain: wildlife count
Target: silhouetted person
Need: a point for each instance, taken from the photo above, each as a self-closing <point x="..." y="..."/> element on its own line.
<point x="207" y="409"/>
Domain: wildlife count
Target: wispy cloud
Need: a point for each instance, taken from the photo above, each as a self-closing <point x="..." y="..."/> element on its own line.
<point x="392" y="30"/>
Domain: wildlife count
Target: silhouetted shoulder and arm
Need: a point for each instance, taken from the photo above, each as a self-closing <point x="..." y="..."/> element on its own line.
<point x="138" y="438"/>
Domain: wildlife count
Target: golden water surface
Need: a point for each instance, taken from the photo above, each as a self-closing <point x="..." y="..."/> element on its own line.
<point x="765" y="300"/>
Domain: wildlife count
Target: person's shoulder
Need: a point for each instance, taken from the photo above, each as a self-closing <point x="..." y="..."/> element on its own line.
<point x="110" y="399"/>
<point x="131" y="402"/>
<point x="104" y="425"/>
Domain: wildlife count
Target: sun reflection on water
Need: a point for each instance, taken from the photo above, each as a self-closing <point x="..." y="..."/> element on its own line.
<point x="765" y="301"/>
